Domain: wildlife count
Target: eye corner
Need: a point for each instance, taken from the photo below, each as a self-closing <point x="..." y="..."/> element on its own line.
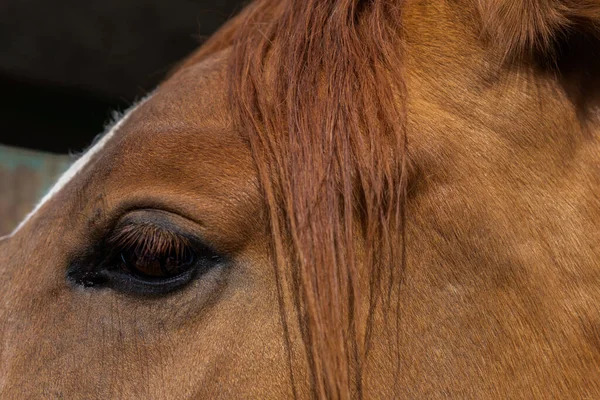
<point x="79" y="276"/>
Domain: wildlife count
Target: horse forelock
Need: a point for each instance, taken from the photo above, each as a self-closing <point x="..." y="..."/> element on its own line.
<point x="317" y="88"/>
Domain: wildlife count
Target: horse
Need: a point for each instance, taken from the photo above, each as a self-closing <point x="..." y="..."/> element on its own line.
<point x="330" y="199"/>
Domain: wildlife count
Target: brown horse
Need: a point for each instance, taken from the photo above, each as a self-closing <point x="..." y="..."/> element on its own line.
<point x="330" y="199"/>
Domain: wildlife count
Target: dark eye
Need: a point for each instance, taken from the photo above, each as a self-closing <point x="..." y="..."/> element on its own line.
<point x="150" y="265"/>
<point x="154" y="254"/>
<point x="145" y="257"/>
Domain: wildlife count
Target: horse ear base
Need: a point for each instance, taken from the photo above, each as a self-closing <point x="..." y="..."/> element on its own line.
<point x="520" y="29"/>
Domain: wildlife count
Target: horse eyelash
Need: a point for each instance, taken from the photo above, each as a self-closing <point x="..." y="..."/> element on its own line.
<point x="149" y="239"/>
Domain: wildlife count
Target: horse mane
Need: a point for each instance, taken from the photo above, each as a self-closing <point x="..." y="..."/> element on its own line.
<point x="315" y="86"/>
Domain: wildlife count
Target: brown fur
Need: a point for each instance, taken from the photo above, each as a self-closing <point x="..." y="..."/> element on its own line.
<point x="410" y="203"/>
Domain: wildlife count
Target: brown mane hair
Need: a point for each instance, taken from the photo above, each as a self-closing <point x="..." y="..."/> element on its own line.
<point x="316" y="89"/>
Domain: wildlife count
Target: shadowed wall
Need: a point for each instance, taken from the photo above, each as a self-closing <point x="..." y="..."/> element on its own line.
<point x="65" y="64"/>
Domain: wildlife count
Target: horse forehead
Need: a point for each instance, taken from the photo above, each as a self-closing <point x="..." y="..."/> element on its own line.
<point x="187" y="110"/>
<point x="183" y="129"/>
<point x="197" y="94"/>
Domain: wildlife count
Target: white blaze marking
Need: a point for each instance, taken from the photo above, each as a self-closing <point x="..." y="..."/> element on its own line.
<point x="79" y="164"/>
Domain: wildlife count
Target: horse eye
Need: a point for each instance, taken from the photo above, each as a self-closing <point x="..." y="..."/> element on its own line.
<point x="145" y="263"/>
<point x="145" y="257"/>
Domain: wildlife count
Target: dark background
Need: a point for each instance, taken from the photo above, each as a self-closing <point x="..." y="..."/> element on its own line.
<point x="65" y="64"/>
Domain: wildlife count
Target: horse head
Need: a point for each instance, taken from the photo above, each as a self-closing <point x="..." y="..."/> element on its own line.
<point x="332" y="199"/>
